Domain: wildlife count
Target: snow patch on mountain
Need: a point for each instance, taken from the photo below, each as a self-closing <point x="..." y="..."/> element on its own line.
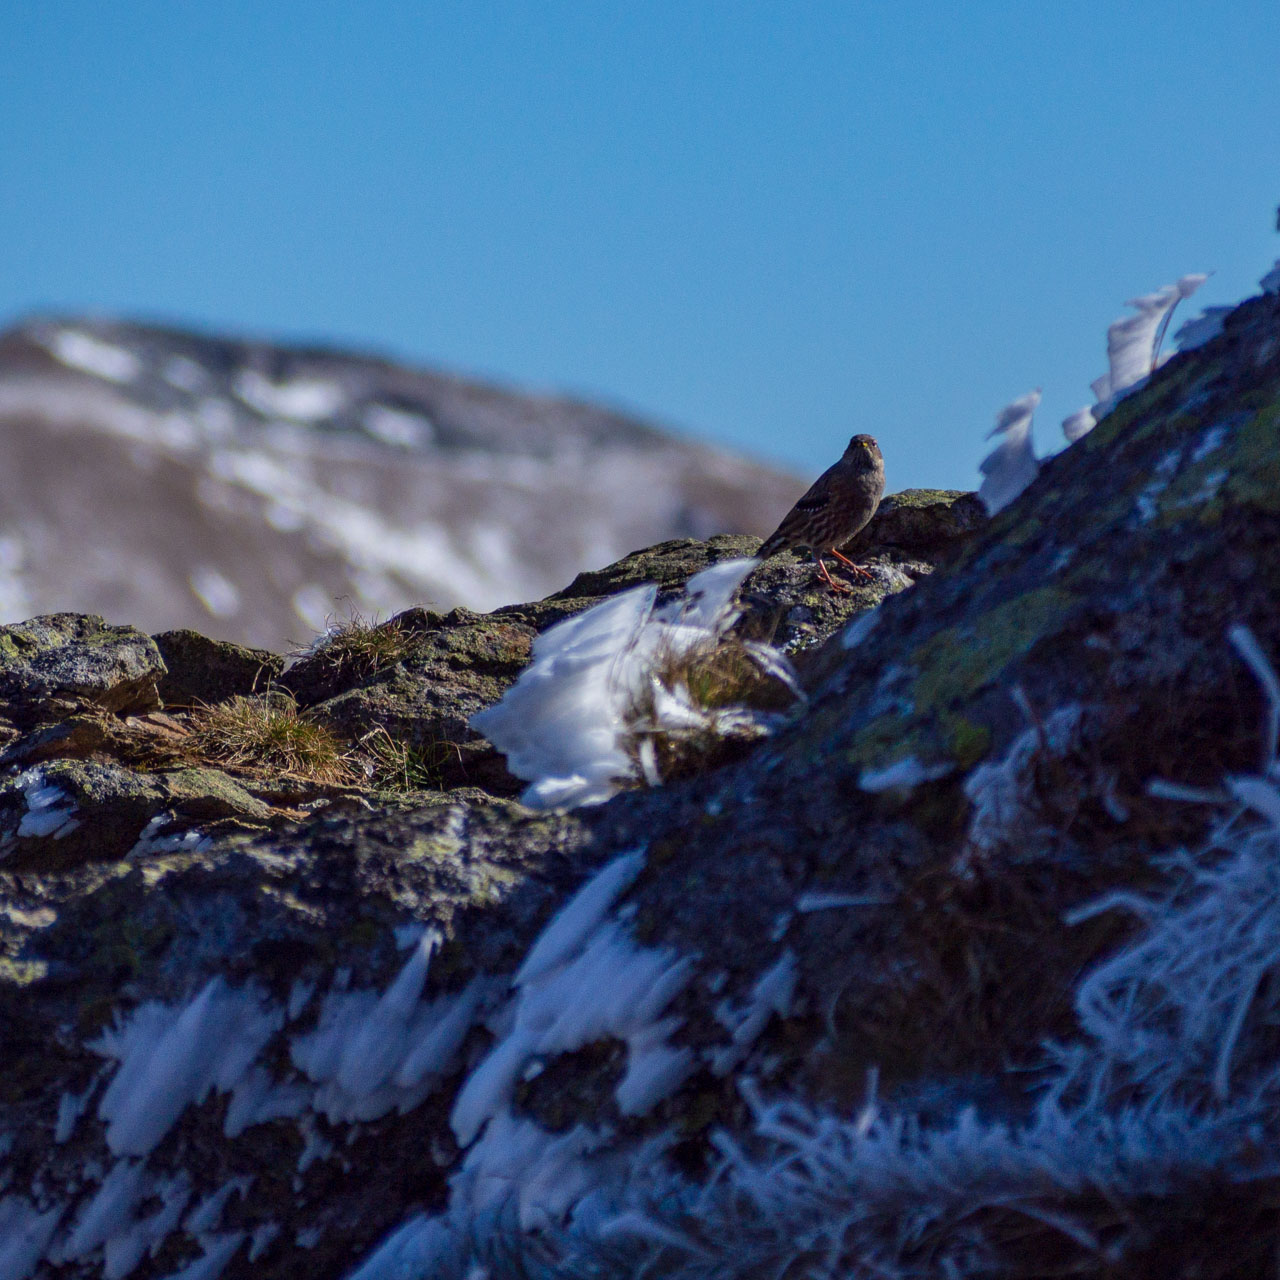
<point x="240" y="487"/>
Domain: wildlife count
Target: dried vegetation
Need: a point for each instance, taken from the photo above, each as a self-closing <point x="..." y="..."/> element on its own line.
<point x="705" y="704"/>
<point x="269" y="734"/>
<point x="361" y="646"/>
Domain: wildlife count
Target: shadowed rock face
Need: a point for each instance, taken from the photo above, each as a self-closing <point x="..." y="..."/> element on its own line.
<point x="253" y="491"/>
<point x="882" y="887"/>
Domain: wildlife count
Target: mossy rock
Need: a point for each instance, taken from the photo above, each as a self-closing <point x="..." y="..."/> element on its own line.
<point x="200" y="670"/>
<point x="450" y="666"/>
<point x="668" y="564"/>
<point x="55" y="664"/>
<point x="104" y="809"/>
<point x="927" y="521"/>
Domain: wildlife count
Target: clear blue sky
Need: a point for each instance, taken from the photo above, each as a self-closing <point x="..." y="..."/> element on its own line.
<point x="768" y="224"/>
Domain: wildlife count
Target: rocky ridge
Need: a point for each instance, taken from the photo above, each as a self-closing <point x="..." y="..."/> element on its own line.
<point x="353" y="1029"/>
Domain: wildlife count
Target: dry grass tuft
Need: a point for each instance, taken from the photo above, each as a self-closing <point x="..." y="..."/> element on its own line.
<point x="269" y="733"/>
<point x="392" y="765"/>
<point x="706" y="704"/>
<point x="361" y="646"/>
<point x="730" y="673"/>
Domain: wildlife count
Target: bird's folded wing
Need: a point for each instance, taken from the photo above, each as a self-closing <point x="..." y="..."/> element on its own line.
<point x="813" y="501"/>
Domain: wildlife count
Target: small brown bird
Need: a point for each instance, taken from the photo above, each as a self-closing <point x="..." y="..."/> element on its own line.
<point x="839" y="503"/>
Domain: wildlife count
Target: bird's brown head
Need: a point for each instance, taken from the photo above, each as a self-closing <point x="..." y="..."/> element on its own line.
<point x="864" y="451"/>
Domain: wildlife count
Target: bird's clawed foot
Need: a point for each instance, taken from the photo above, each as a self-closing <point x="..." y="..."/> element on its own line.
<point x="857" y="568"/>
<point x="838" y="587"/>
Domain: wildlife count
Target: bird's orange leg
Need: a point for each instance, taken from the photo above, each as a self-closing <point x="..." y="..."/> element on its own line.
<point x="857" y="568"/>
<point x="838" y="587"/>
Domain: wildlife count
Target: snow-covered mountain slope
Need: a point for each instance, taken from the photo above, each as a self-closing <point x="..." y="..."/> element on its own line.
<point x="253" y="490"/>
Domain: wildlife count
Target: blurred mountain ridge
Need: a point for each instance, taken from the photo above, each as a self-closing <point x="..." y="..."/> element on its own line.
<point x="255" y="490"/>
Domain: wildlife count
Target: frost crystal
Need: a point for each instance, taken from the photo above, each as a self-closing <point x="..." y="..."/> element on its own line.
<point x="567" y="724"/>
<point x="1204" y="328"/>
<point x="25" y="1233"/>
<point x="1079" y="424"/>
<point x="610" y="987"/>
<point x="50" y="810"/>
<point x="372" y="1054"/>
<point x="170" y="1057"/>
<point x="1011" y="465"/>
<point x="902" y="775"/>
<point x="1173" y="1085"/>
<point x="1133" y="350"/>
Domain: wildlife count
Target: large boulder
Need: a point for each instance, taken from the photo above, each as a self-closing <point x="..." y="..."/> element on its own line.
<point x="200" y="670"/>
<point x="787" y="1017"/>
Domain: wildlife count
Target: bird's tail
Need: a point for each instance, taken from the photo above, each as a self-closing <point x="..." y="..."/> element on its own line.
<point x="772" y="545"/>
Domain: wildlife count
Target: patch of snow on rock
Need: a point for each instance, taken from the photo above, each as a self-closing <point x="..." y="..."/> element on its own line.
<point x="564" y="725"/>
<point x="172" y="1055"/>
<point x="570" y="927"/>
<point x="1133" y="349"/>
<point x="110" y="1210"/>
<point x="208" y="1213"/>
<point x="91" y="355"/>
<point x="519" y="1165"/>
<point x="1147" y="501"/>
<point x="902" y="775"/>
<point x="1004" y="807"/>
<point x="218" y="1251"/>
<point x="300" y="400"/>
<point x="772" y="994"/>
<point x="584" y="979"/>
<point x="1203" y="328"/>
<point x="184" y="374"/>
<point x="25" y="1232"/>
<point x="1079" y="424"/>
<point x="397" y="427"/>
<point x="50" y="810"/>
<point x="859" y="628"/>
<point x="371" y="1054"/>
<point x="216" y="592"/>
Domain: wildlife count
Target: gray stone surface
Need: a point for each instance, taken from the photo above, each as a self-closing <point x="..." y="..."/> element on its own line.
<point x="1075" y="648"/>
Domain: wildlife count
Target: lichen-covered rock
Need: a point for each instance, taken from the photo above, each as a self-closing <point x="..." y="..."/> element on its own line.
<point x="57" y="663"/>
<point x="912" y="533"/>
<point x="59" y="815"/>
<point x="930" y="522"/>
<point x="200" y="670"/>
<point x="453" y="665"/>
<point x="450" y="668"/>
<point x="668" y="564"/>
<point x="448" y="1016"/>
